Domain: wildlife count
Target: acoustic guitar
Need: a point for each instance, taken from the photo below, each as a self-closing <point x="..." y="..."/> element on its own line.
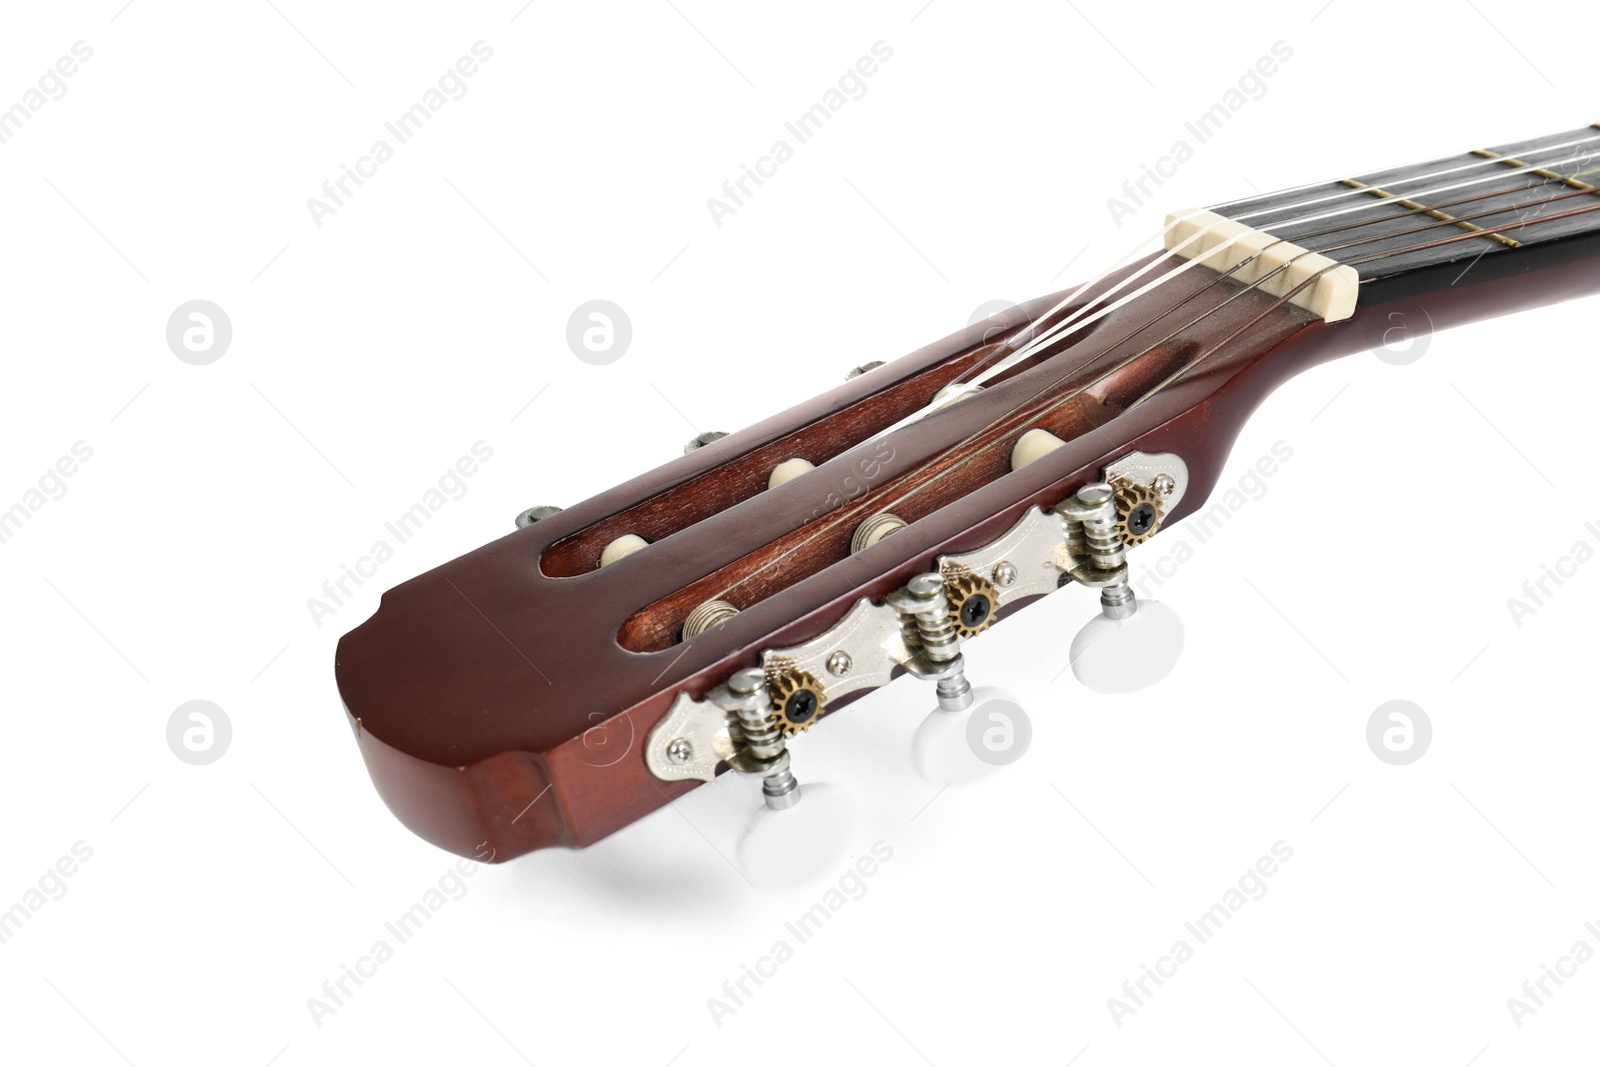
<point x="600" y="660"/>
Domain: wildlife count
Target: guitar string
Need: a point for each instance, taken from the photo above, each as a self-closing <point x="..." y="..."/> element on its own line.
<point x="1020" y="415"/>
<point x="1079" y="320"/>
<point x="1419" y="209"/>
<point x="1487" y="161"/>
<point x="1524" y="164"/>
<point x="1520" y="223"/>
<point x="1179" y="374"/>
<point x="1001" y="428"/>
<point x="1060" y="329"/>
<point x="1523" y="220"/>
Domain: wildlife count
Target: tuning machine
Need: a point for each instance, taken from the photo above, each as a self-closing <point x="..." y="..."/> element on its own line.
<point x="1131" y="644"/>
<point x="797" y="830"/>
<point x="940" y="610"/>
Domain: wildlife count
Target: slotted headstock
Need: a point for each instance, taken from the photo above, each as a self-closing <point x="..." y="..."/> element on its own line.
<point x="527" y="667"/>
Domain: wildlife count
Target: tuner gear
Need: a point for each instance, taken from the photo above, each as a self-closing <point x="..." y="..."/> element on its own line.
<point x="799" y="699"/>
<point x="1139" y="511"/>
<point x="973" y="602"/>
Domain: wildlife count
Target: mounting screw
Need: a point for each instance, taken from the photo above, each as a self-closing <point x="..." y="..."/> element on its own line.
<point x="701" y="440"/>
<point x="839" y="664"/>
<point x="679" y="750"/>
<point x="533" y="515"/>
<point x="1164" y="484"/>
<point x="1005" y="573"/>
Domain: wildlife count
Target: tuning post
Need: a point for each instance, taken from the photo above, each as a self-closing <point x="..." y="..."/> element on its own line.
<point x="924" y="604"/>
<point x="788" y="471"/>
<point x="1093" y="536"/>
<point x="762" y="749"/>
<point x="705" y="616"/>
<point x="621" y="548"/>
<point x="875" y="529"/>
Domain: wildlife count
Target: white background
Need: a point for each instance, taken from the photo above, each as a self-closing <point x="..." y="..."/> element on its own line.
<point x="369" y="353"/>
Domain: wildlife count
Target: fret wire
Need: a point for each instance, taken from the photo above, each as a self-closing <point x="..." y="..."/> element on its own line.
<point x="1048" y="335"/>
<point x="1415" y="211"/>
<point x="1481" y="233"/>
<point x="1431" y="212"/>
<point x="1548" y="175"/>
<point x="1563" y="178"/>
<point x="1470" y="236"/>
<point x="1399" y="175"/>
<point x="1183" y="371"/>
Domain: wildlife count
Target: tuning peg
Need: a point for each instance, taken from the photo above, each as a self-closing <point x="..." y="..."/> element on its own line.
<point x="1130" y="645"/>
<point x="1124" y="655"/>
<point x="798" y="831"/>
<point x="789" y="845"/>
<point x="951" y="747"/>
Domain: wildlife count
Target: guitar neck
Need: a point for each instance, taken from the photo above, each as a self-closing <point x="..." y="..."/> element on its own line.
<point x="1412" y="230"/>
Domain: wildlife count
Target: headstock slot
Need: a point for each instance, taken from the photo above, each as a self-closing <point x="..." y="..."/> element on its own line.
<point x="951" y="454"/>
<point x="743" y="470"/>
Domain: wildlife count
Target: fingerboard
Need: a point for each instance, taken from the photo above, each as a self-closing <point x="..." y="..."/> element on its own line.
<point x="1459" y="209"/>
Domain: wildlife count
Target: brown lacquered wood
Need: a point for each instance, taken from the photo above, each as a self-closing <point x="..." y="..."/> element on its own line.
<point x="501" y="700"/>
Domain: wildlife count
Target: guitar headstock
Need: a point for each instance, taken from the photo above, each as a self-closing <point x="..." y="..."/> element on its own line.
<point x="620" y="651"/>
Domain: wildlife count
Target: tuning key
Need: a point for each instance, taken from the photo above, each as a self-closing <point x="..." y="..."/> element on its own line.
<point x="787" y="841"/>
<point x="1130" y="645"/>
<point x="941" y="748"/>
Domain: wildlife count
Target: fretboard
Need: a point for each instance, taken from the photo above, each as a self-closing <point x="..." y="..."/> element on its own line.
<point x="1491" y="202"/>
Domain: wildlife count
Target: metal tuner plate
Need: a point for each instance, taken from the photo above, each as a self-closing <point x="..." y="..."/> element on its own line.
<point x="689" y="741"/>
<point x="860" y="651"/>
<point x="1154" y="470"/>
<point x="1026" y="561"/>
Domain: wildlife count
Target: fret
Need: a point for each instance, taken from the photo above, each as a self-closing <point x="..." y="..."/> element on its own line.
<point x="1495" y="201"/>
<point x="1430" y="212"/>
<point x="1542" y="171"/>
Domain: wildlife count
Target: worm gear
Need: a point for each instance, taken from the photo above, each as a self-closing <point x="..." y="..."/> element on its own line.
<point x="799" y="699"/>
<point x="973" y="602"/>
<point x="1139" y="511"/>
